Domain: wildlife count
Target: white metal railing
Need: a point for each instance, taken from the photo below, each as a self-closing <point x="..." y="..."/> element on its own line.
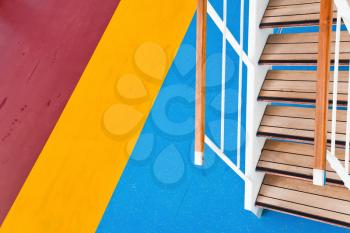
<point x="254" y="109"/>
<point x="243" y="59"/>
<point x="343" y="13"/>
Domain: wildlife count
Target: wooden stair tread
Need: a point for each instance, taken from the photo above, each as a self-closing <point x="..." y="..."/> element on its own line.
<point x="299" y="86"/>
<point x="294" y="159"/>
<point x="330" y="204"/>
<point x="286" y="13"/>
<point x="300" y="49"/>
<point x="297" y="124"/>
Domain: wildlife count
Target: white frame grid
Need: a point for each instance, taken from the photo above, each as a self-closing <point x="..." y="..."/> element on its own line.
<point x="255" y="109"/>
<point x="243" y="58"/>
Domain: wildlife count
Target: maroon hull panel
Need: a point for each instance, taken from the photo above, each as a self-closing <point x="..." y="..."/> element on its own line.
<point x="44" y="47"/>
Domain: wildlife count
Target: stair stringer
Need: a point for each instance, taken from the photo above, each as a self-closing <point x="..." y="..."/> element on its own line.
<point x="255" y="109"/>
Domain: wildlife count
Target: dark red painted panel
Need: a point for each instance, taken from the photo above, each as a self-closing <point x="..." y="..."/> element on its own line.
<point x="44" y="47"/>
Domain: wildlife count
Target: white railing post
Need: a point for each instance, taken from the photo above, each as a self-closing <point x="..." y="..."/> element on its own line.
<point x="335" y="86"/>
<point x="223" y="79"/>
<point x="240" y="79"/>
<point x="347" y="139"/>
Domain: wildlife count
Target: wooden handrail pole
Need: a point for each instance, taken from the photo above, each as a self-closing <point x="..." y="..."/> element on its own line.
<point x="200" y="81"/>
<point x="322" y="87"/>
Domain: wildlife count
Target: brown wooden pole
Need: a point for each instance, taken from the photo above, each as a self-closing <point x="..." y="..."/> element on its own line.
<point x="323" y="72"/>
<point x="200" y="81"/>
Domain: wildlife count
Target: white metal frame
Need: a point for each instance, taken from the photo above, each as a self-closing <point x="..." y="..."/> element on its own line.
<point x="255" y="110"/>
<point x="343" y="10"/>
<point x="238" y="48"/>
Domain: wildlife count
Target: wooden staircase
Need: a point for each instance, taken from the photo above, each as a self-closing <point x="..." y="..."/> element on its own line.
<point x="287" y="156"/>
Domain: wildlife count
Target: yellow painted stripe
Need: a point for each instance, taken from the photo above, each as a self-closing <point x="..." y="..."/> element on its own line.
<point x="77" y="171"/>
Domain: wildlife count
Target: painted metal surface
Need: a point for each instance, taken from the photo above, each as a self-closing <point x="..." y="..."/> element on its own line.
<point x="44" y="48"/>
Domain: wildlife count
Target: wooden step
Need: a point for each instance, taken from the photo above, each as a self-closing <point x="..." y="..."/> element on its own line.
<point x="300" y="49"/>
<point x="296" y="123"/>
<point x="299" y="86"/>
<point x="329" y="204"/>
<point x="294" y="160"/>
<point x="290" y="13"/>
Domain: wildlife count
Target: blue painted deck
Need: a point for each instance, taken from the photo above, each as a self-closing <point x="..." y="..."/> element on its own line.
<point x="161" y="190"/>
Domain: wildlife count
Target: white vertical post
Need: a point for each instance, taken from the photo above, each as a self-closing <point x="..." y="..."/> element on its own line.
<point x="335" y="86"/>
<point x="223" y="79"/>
<point x="347" y="139"/>
<point x="240" y="77"/>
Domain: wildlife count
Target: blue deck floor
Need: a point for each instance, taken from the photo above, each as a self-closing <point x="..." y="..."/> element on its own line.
<point x="161" y="191"/>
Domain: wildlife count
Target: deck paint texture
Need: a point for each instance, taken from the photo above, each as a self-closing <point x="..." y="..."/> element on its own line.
<point x="45" y="47"/>
<point x="71" y="183"/>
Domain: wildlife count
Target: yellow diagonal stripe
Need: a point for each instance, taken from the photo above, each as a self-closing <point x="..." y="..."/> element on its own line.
<point x="77" y="171"/>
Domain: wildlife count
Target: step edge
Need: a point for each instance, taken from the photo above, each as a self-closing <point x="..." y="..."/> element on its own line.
<point x="303" y="215"/>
